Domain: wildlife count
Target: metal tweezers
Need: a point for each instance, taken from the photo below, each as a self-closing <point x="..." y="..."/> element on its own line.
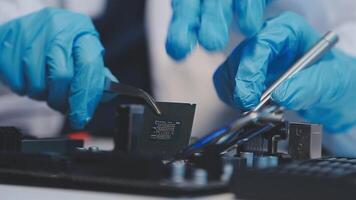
<point x="128" y="90"/>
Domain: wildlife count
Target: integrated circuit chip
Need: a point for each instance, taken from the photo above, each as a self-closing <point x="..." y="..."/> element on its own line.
<point x="141" y="130"/>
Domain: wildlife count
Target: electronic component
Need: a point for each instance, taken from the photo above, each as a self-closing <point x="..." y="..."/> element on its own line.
<point x="249" y="158"/>
<point x="305" y="141"/>
<point x="242" y="130"/>
<point x="267" y="142"/>
<point x="145" y="157"/>
<point x="142" y="131"/>
<point x="64" y="164"/>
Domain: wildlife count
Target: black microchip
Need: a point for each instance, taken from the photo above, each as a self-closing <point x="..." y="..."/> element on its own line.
<point x="141" y="130"/>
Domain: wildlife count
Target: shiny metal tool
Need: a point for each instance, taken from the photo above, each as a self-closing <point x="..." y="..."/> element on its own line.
<point x="261" y="112"/>
<point x="128" y="90"/>
<point x="312" y="56"/>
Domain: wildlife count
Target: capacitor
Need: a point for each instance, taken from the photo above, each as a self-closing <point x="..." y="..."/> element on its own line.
<point x="263" y="162"/>
<point x="260" y="162"/>
<point x="272" y="161"/>
<point x="249" y="158"/>
<point x="228" y="171"/>
<point x="178" y="172"/>
<point x="200" y="177"/>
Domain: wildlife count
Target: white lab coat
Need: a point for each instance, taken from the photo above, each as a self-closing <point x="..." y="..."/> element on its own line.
<point x="191" y="80"/>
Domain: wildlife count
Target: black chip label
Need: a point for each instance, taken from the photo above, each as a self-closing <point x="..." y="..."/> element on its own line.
<point x="164" y="130"/>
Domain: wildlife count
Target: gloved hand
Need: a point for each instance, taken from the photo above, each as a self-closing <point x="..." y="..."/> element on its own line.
<point x="323" y="93"/>
<point x="208" y="22"/>
<point x="55" y="55"/>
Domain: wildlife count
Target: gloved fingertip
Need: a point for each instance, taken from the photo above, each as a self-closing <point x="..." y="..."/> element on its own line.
<point x="179" y="47"/>
<point x="215" y="24"/>
<point x="79" y="121"/>
<point x="250" y="28"/>
<point x="83" y="101"/>
<point x="181" y="40"/>
<point x="250" y="16"/>
<point x="212" y="39"/>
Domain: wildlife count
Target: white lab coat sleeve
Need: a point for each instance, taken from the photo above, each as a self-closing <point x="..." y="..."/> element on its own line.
<point x="11" y="9"/>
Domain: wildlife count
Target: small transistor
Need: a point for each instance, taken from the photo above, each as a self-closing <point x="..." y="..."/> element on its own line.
<point x="141" y="130"/>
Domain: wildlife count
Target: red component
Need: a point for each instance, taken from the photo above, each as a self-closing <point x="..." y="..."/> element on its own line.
<point x="79" y="136"/>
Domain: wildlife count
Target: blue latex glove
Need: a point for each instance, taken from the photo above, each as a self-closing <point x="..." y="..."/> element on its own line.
<point x="323" y="93"/>
<point x="208" y="22"/>
<point x="55" y="55"/>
